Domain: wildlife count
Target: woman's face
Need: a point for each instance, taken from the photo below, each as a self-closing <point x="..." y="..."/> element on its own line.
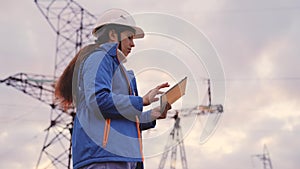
<point x="127" y="41"/>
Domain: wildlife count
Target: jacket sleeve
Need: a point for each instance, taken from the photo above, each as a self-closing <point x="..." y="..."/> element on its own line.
<point x="145" y="121"/>
<point x="98" y="72"/>
<point x="145" y="118"/>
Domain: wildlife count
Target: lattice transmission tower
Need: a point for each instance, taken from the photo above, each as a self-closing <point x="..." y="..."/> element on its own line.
<point x="176" y="140"/>
<point x="265" y="158"/>
<point x="72" y="25"/>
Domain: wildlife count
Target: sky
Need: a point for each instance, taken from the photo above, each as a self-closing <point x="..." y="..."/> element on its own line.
<point x="253" y="49"/>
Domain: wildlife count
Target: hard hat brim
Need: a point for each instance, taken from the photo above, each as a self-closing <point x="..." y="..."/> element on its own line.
<point x="139" y="33"/>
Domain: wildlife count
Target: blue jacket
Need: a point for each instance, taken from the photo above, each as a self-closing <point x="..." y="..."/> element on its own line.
<point x="105" y="127"/>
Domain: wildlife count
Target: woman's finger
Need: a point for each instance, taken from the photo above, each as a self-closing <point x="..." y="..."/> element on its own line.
<point x="163" y="85"/>
<point x="160" y="92"/>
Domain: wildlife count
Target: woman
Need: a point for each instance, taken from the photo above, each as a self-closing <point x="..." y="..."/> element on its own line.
<point x="109" y="118"/>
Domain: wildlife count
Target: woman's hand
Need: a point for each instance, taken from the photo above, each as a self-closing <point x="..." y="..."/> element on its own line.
<point x="156" y="112"/>
<point x="150" y="97"/>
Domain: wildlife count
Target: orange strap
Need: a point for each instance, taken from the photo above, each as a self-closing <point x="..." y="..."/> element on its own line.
<point x="106" y="132"/>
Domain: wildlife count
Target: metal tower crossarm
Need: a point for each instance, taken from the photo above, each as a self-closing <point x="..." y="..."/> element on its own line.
<point x="40" y="87"/>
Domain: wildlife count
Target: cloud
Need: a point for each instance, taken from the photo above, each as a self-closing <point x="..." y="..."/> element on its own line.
<point x="21" y="134"/>
<point x="27" y="44"/>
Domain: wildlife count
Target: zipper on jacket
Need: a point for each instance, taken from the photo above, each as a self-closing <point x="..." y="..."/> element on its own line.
<point x="106" y="133"/>
<point x="136" y="117"/>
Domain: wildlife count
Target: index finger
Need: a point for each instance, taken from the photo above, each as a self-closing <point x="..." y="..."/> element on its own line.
<point x="163" y="85"/>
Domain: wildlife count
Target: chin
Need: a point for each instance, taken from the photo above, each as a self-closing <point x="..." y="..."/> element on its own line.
<point x="126" y="54"/>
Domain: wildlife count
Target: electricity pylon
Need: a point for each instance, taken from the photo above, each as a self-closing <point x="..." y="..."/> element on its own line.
<point x="72" y="25"/>
<point x="176" y="139"/>
<point x="265" y="158"/>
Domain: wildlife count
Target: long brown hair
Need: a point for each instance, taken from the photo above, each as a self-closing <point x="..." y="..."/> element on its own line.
<point x="64" y="86"/>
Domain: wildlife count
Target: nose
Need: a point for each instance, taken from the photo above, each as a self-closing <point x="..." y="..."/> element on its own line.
<point x="132" y="43"/>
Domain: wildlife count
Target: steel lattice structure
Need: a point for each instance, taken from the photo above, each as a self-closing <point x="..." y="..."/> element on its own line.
<point x="265" y="158"/>
<point x="176" y="139"/>
<point x="72" y="25"/>
<point x="39" y="87"/>
<point x="56" y="150"/>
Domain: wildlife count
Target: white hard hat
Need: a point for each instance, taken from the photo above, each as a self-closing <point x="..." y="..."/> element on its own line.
<point x="118" y="17"/>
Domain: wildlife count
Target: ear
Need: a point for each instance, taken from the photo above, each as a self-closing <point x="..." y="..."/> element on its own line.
<point x="113" y="37"/>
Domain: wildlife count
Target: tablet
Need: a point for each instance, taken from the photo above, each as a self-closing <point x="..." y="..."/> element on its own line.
<point x="173" y="94"/>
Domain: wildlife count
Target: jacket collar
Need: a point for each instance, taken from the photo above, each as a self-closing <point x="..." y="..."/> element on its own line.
<point x="112" y="49"/>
